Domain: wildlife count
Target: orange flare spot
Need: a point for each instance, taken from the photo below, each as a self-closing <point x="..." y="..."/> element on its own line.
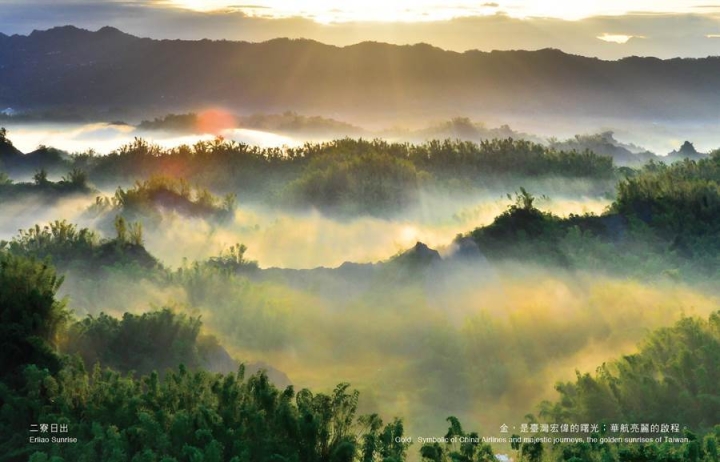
<point x="214" y="121"/>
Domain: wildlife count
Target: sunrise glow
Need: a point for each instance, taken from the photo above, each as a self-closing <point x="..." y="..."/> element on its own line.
<point x="615" y="38"/>
<point x="328" y="11"/>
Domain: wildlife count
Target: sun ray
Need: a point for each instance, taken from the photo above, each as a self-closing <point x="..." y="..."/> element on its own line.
<point x="331" y="11"/>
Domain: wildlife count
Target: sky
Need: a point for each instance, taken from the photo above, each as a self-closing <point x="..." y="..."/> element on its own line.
<point x="608" y="29"/>
<point x="327" y="11"/>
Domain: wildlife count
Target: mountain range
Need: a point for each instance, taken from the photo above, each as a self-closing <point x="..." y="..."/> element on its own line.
<point x="108" y="69"/>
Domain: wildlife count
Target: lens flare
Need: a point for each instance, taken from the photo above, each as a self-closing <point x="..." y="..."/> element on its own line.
<point x="214" y="121"/>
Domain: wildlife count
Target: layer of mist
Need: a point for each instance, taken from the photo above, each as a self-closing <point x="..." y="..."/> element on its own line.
<point x="104" y="138"/>
<point x="659" y="137"/>
<point x="286" y="239"/>
<point x="327" y="302"/>
<point x="461" y="339"/>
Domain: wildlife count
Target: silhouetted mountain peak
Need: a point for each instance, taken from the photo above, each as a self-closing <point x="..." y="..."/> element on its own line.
<point x="688" y="149"/>
<point x="373" y="46"/>
<point x="59" y="32"/>
<point x="545" y="52"/>
<point x="419" y="256"/>
<point x="295" y="41"/>
<point x="69" y="34"/>
<point x="109" y="31"/>
<point x="552" y="51"/>
<point x="66" y="65"/>
<point x="8" y="152"/>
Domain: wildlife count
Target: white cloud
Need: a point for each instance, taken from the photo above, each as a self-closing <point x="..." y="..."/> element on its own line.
<point x="616" y="38"/>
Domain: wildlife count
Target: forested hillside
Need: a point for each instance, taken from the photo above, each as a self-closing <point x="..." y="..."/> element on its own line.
<point x="193" y="415"/>
<point x="345" y="176"/>
<point x="664" y="220"/>
<point x="138" y="359"/>
<point x="106" y="69"/>
<point x="354" y="238"/>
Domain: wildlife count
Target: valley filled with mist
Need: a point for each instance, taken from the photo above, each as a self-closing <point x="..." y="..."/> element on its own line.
<point x="439" y="278"/>
<point x="372" y="253"/>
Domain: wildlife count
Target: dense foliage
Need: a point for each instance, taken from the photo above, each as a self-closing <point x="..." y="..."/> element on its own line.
<point x="665" y="219"/>
<point x="352" y="175"/>
<point x="460" y="446"/>
<point x="675" y="377"/>
<point x="681" y="201"/>
<point x="71" y="248"/>
<point x="184" y="416"/>
<point x="147" y="198"/>
<point x="151" y="394"/>
<point x="75" y="182"/>
<point x="197" y="416"/>
<point x="605" y="144"/>
<point x="153" y="341"/>
<point x="345" y="176"/>
<point x="358" y="183"/>
<point x="31" y="317"/>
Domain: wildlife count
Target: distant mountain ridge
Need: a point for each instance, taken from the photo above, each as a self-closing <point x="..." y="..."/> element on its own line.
<point x="68" y="66"/>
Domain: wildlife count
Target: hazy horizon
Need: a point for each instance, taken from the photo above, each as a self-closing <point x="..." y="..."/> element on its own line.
<point x="612" y="30"/>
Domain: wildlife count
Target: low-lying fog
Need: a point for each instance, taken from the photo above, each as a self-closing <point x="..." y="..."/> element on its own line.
<point x="104" y="138"/>
<point x="487" y="347"/>
<point x="467" y="343"/>
<point x="657" y="136"/>
<point x="286" y="239"/>
<point x="485" y="342"/>
<point x="660" y="137"/>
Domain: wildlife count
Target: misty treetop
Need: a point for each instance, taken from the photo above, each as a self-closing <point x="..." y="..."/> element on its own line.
<point x="31" y="315"/>
<point x="198" y="416"/>
<point x="74" y="183"/>
<point x="605" y="144"/>
<point x="682" y="198"/>
<point x="665" y="220"/>
<point x="352" y="175"/>
<point x="83" y="249"/>
<point x="153" y="341"/>
<point x="661" y="223"/>
<point x="675" y="377"/>
<point x="222" y="285"/>
<point x="345" y="175"/>
<point x="147" y="199"/>
<point x="183" y="416"/>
